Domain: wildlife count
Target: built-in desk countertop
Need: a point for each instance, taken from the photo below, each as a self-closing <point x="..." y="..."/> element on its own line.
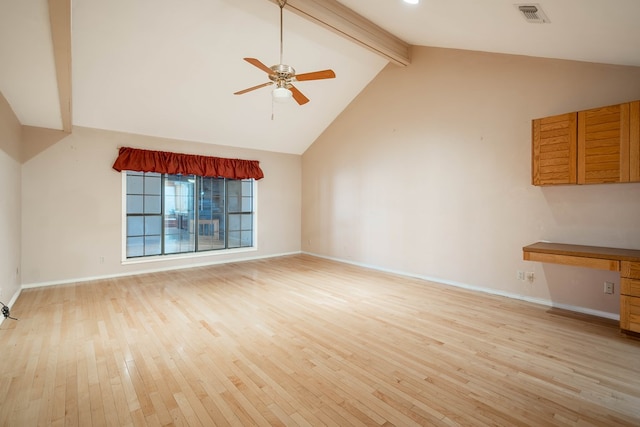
<point x="625" y="261"/>
<point x="579" y="255"/>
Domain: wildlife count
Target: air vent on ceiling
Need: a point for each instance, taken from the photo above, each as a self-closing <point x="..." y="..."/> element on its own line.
<point x="533" y="13"/>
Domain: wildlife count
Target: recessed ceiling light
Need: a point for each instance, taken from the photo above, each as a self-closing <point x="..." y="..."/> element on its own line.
<point x="412" y="1"/>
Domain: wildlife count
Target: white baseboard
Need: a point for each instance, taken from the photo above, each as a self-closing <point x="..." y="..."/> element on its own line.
<point x="540" y="301"/>
<point x="154" y="270"/>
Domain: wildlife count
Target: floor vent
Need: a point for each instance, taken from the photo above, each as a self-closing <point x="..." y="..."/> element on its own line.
<point x="533" y="13"/>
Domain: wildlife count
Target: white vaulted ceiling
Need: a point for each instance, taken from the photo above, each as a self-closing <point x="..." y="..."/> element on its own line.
<point x="169" y="68"/>
<point x="27" y="70"/>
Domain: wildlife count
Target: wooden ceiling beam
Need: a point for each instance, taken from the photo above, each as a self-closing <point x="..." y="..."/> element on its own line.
<point x="60" y="19"/>
<point x="340" y="19"/>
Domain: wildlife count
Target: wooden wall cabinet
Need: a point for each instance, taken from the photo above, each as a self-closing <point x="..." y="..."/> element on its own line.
<point x="596" y="146"/>
<point x="634" y="141"/>
<point x="554" y="150"/>
<point x="603" y="145"/>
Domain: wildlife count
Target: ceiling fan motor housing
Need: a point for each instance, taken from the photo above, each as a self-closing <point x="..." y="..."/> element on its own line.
<point x="282" y="72"/>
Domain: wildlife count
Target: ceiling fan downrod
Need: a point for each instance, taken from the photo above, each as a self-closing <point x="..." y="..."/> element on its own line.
<point x="282" y="4"/>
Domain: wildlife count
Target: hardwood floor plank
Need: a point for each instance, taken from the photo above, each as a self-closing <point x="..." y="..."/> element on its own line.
<point x="71" y="392"/>
<point x="300" y="340"/>
<point x="82" y="387"/>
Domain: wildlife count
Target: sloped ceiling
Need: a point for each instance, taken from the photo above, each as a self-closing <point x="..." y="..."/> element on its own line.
<point x="169" y="68"/>
<point x="604" y="31"/>
<point x="27" y="69"/>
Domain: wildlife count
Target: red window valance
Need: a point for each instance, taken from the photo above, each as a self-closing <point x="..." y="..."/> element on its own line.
<point x="134" y="159"/>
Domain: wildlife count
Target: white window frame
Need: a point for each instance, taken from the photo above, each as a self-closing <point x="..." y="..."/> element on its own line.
<point x="203" y="254"/>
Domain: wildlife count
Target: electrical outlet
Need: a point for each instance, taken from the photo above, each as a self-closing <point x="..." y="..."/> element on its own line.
<point x="608" y="288"/>
<point x="530" y="276"/>
<point x="520" y="275"/>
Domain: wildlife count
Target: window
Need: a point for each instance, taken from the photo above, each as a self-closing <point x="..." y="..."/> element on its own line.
<point x="175" y="214"/>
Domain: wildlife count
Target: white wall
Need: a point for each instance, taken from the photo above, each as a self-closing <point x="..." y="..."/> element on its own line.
<point x="10" y="188"/>
<point x="72" y="206"/>
<point x="428" y="173"/>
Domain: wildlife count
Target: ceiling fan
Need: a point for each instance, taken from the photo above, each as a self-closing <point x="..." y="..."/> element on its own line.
<point x="283" y="75"/>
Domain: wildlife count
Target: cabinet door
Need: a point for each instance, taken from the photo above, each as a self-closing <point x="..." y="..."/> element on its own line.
<point x="603" y="145"/>
<point x="553" y="157"/>
<point x="630" y="313"/>
<point x="634" y="142"/>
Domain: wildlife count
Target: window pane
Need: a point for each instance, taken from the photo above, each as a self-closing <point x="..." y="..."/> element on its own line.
<point x="172" y="244"/>
<point x="218" y="196"/>
<point x="153" y="225"/>
<point x="152" y="184"/>
<point x="179" y="209"/>
<point x="135" y="246"/>
<point x="187" y="241"/>
<point x="169" y="198"/>
<point x="234" y="187"/>
<point x="246" y="187"/>
<point x="152" y="245"/>
<point x="171" y="224"/>
<point x="134" y="184"/>
<point x="234" y="222"/>
<point x="205" y="202"/>
<point x="206" y="243"/>
<point x="234" y="239"/>
<point x="234" y="193"/>
<point x="180" y="242"/>
<point x="171" y="247"/>
<point x="246" y="204"/>
<point x="210" y="213"/>
<point x="233" y="204"/>
<point x="245" y="239"/>
<point x="135" y="226"/>
<point x="246" y="221"/>
<point x="134" y="204"/>
<point x="152" y="204"/>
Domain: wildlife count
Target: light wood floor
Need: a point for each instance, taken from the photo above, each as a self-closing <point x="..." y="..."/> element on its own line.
<point x="305" y="341"/>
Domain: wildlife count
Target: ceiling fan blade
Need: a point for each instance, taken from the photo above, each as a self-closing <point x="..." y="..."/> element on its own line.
<point x="240" y="92"/>
<point x="316" y="75"/>
<point x="257" y="63"/>
<point x="297" y="95"/>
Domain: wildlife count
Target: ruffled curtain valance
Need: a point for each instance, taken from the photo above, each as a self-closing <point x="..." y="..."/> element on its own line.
<point x="134" y="159"/>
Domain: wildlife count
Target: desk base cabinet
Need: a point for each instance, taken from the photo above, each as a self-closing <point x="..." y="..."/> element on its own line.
<point x="630" y="313"/>
<point x="630" y="296"/>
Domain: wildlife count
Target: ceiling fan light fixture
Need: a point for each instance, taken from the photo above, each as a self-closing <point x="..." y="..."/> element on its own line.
<point x="281" y="94"/>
